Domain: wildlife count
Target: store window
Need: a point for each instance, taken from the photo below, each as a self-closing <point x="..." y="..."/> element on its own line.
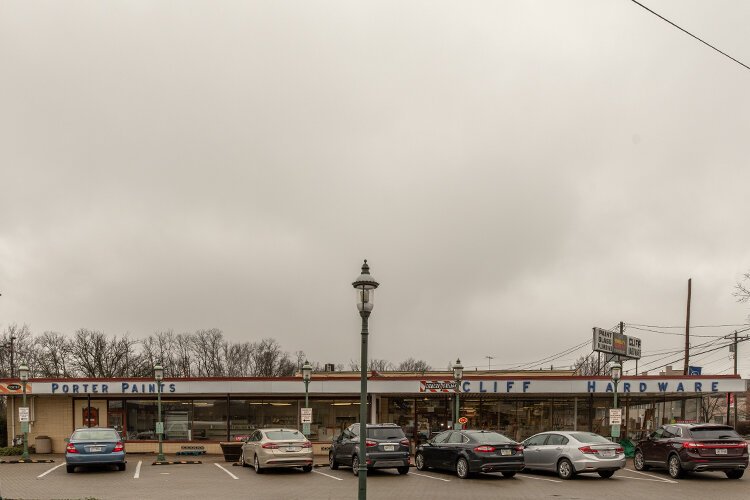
<point x="141" y="417"/>
<point x="209" y="420"/>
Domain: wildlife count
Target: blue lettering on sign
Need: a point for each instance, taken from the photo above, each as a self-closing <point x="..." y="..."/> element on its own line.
<point x="626" y="387"/>
<point x="642" y="387"/>
<point x="495" y="386"/>
<point x="134" y="388"/>
<point x="714" y="387"/>
<point x="465" y="387"/>
<point x="508" y="385"/>
<point x="75" y="388"/>
<point x="591" y="385"/>
<point x="85" y="387"/>
<point x="94" y="387"/>
<point x="609" y="387"/>
<point x="172" y="387"/>
<point x="698" y="387"/>
<point x="152" y="387"/>
<point x="662" y="386"/>
<point x="55" y="386"/>
<point x="680" y="388"/>
<point x="481" y="387"/>
<point x="125" y="386"/>
<point x="526" y="385"/>
<point x="65" y="388"/>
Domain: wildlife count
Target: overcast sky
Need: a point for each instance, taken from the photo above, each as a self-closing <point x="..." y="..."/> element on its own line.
<point x="515" y="172"/>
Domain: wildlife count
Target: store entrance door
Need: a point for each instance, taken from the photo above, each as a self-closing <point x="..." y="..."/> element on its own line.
<point x="116" y="419"/>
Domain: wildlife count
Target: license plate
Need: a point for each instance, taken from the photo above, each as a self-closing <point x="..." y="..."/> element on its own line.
<point x="504" y="452"/>
<point x="293" y="448"/>
<point x="721" y="451"/>
<point x="389" y="447"/>
<point x="98" y="449"/>
<point x="608" y="453"/>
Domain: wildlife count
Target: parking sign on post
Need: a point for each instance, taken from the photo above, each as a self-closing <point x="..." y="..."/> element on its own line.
<point x="615" y="420"/>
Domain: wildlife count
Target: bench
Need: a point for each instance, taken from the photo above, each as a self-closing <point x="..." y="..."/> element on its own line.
<point x="192" y="450"/>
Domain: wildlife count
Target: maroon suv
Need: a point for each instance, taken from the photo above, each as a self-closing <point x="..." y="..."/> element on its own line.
<point x="693" y="447"/>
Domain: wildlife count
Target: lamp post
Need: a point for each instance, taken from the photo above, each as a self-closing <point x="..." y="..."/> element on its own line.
<point x="159" y="376"/>
<point x="458" y="373"/>
<point x="9" y="345"/>
<point x="23" y="372"/>
<point x="306" y="374"/>
<point x="365" y="285"/>
<point x="615" y="372"/>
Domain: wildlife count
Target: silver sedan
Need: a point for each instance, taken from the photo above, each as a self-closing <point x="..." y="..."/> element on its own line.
<point x="277" y="447"/>
<point x="572" y="452"/>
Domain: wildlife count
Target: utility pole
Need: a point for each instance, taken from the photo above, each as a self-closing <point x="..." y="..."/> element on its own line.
<point x="685" y="369"/>
<point x="730" y="395"/>
<point x="489" y="362"/>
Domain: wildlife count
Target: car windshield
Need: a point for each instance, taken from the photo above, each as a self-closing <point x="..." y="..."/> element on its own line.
<point x="281" y="435"/>
<point x="589" y="437"/>
<point x="489" y="437"/>
<point x="385" y="432"/>
<point x="714" y="433"/>
<point x="95" y="435"/>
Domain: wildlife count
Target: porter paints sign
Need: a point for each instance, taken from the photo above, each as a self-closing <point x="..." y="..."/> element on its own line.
<point x="111" y="388"/>
<point x="616" y="343"/>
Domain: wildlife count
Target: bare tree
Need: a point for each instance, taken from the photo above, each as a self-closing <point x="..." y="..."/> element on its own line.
<point x="413" y="365"/>
<point x="208" y="346"/>
<point x="239" y="359"/>
<point x="23" y="349"/>
<point x="709" y="406"/>
<point x="183" y="345"/>
<point x="94" y="355"/>
<point x="378" y="365"/>
<point x="585" y="365"/>
<point x="742" y="291"/>
<point x="52" y="358"/>
<point x="269" y="360"/>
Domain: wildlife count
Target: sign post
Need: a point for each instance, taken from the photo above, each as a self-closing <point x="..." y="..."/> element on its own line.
<point x="306" y="419"/>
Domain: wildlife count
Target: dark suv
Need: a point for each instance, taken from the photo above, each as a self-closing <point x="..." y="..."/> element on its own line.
<point x="387" y="447"/>
<point x="693" y="447"/>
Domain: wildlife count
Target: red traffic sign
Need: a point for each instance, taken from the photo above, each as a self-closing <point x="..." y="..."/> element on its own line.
<point x="463" y="420"/>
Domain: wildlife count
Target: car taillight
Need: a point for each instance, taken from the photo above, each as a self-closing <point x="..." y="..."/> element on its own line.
<point x="692" y="445"/>
<point x="519" y="447"/>
<point x="370" y="444"/>
<point x="119" y="446"/>
<point x="619" y="450"/>
<point x="588" y="449"/>
<point x="484" y="449"/>
<point x="270" y="446"/>
<point x="71" y="448"/>
<point x="404" y="442"/>
<point x="307" y="444"/>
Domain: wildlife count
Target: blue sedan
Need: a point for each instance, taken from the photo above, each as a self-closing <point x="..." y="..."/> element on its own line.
<point x="95" y="446"/>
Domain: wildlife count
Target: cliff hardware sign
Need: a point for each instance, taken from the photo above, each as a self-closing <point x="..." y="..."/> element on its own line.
<point x="616" y="343"/>
<point x="437" y="386"/>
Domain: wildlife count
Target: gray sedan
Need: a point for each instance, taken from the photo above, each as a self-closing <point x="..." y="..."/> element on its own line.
<point x="268" y="448"/>
<point x="572" y="452"/>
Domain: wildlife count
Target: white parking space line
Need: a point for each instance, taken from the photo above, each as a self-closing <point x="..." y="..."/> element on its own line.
<point x="328" y="475"/>
<point x="222" y="468"/>
<point x="540" y="478"/>
<point x="138" y="470"/>
<point x="53" y="468"/>
<point x="663" y="479"/>
<point x="639" y="478"/>
<point x="431" y="477"/>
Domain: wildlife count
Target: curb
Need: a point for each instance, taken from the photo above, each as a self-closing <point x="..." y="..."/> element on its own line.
<point x="22" y="461"/>
<point x="178" y="462"/>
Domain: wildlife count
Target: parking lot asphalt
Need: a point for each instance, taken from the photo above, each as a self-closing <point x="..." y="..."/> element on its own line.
<point x="214" y="478"/>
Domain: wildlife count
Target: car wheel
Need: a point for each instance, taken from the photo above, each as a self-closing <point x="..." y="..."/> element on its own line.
<point x="639" y="462"/>
<point x="462" y="468"/>
<point x="606" y="473"/>
<point x="735" y="474"/>
<point x="332" y="463"/>
<point x="256" y="465"/>
<point x="243" y="460"/>
<point x="675" y="467"/>
<point x="70" y="468"/>
<point x="565" y="469"/>
<point x="355" y="465"/>
<point x="419" y="461"/>
<point x="307" y="468"/>
<point x="403" y="470"/>
<point x="509" y="473"/>
<point x="121" y="466"/>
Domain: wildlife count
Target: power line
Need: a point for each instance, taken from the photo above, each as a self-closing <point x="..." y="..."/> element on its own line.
<point x="674" y="333"/>
<point x="691" y="326"/>
<point x="686" y="31"/>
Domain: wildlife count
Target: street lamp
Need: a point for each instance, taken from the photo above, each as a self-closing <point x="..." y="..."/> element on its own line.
<point x="306" y="374"/>
<point x="9" y="345"/>
<point x="23" y="372"/>
<point x="159" y="376"/>
<point x="615" y="372"/>
<point x="365" y="286"/>
<point x="458" y="373"/>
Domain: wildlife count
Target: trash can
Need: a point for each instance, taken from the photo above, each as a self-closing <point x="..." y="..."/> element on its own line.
<point x="628" y="447"/>
<point x="43" y="444"/>
<point x="232" y="450"/>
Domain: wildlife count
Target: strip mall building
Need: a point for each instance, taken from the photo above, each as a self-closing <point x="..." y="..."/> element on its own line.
<point x="211" y="410"/>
